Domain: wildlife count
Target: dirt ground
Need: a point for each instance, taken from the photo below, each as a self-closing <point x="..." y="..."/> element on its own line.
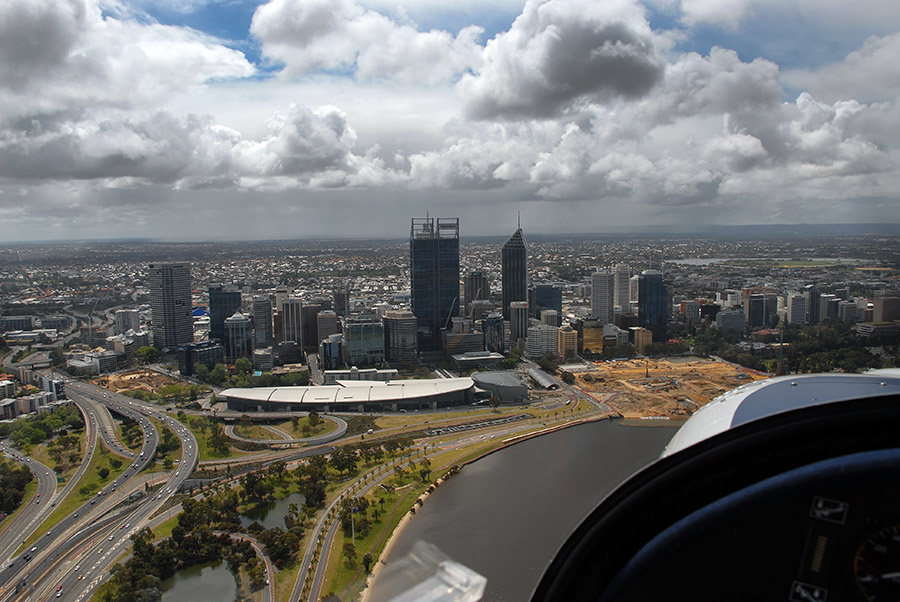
<point x="138" y="379"/>
<point x="662" y="387"/>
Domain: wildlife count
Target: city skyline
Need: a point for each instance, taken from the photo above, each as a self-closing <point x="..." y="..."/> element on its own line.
<point x="257" y="121"/>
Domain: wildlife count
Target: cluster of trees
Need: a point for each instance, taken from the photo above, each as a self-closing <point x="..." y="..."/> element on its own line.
<point x="825" y="347"/>
<point x="169" y="443"/>
<point x="32" y="430"/>
<point x="139" y="578"/>
<point x="64" y="450"/>
<point x="12" y="485"/>
<point x="132" y="434"/>
<point x="242" y="376"/>
<point x="280" y="545"/>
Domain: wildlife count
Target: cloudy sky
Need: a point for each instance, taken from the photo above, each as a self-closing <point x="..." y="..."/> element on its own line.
<point x="232" y="119"/>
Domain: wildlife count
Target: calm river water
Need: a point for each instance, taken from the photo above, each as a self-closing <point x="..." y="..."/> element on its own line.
<point x="507" y="514"/>
<point x="200" y="583"/>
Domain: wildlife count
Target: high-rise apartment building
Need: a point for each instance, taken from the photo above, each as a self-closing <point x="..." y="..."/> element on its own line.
<point x="652" y="300"/>
<point x="434" y="277"/>
<point x="400" y="338"/>
<point x="170" y="304"/>
<point x="567" y="341"/>
<point x="603" y="296"/>
<point x="262" y="322"/>
<point x="542" y="339"/>
<point x="223" y="302"/>
<point x="291" y="321"/>
<point x="622" y="287"/>
<point x="475" y="288"/>
<point x="514" y="271"/>
<point x="127" y="319"/>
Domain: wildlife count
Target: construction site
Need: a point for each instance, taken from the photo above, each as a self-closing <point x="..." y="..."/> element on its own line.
<point x="146" y="380"/>
<point x="673" y="388"/>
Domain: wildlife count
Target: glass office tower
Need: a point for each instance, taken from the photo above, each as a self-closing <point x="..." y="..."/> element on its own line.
<point x="434" y="277"/>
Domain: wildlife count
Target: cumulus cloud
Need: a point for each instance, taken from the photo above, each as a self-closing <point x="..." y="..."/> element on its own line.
<point x="303" y="148"/>
<point x="561" y="51"/>
<point x="63" y="55"/>
<point x="321" y="35"/>
<point x="870" y="74"/>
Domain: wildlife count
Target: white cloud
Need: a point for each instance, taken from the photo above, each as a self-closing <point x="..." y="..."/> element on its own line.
<point x="315" y="35"/>
<point x="869" y="74"/>
<point x="560" y="52"/>
<point x="63" y="56"/>
<point x="872" y="15"/>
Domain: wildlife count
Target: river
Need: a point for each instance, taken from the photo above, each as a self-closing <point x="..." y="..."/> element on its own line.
<point x="506" y="515"/>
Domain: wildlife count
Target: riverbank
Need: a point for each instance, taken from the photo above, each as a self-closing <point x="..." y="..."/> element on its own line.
<point x="500" y="517"/>
<point x="506" y="444"/>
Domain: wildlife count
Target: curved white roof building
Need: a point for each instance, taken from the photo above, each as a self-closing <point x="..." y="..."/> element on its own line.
<point x="354" y="396"/>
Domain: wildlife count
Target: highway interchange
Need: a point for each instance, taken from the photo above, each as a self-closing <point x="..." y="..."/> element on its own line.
<point x="73" y="558"/>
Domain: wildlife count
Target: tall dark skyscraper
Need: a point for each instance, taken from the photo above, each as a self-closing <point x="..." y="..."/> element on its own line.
<point x="652" y="296"/>
<point x="434" y="277"/>
<point x="223" y="302"/>
<point x="514" y="257"/>
<point x="170" y="304"/>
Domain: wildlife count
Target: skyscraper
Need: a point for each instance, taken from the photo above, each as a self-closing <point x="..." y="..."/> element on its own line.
<point x="262" y="321"/>
<point x="327" y="324"/>
<point x="341" y="298"/>
<point x="796" y="308"/>
<point x="518" y="324"/>
<point x="652" y="297"/>
<point x="622" y="286"/>
<point x="475" y="288"/>
<point x="434" y="277"/>
<point x="602" y="296"/>
<point x="400" y="337"/>
<point x="238" y="337"/>
<point x="514" y="273"/>
<point x="544" y="296"/>
<point x="127" y="319"/>
<point x="170" y="304"/>
<point x="291" y="329"/>
<point x="309" y="326"/>
<point x="223" y="302"/>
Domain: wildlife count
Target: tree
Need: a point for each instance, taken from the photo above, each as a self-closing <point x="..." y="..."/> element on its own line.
<point x="314" y="419"/>
<point x="349" y="554"/>
<point x="245" y="421"/>
<point x="147" y="355"/>
<point x="202" y="373"/>
<point x="568" y="378"/>
<point x="103" y="472"/>
<point x="367" y="560"/>
<point x="494" y="402"/>
<point x="243" y="365"/>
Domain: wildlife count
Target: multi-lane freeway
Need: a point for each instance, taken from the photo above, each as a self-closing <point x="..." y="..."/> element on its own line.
<point x="77" y="553"/>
